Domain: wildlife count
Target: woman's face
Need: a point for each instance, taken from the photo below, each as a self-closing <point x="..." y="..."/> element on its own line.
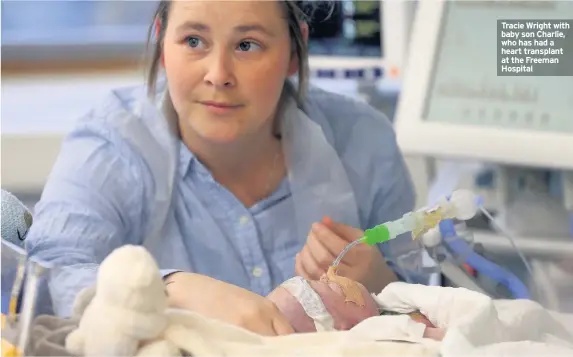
<point x="344" y="314"/>
<point x="226" y="63"/>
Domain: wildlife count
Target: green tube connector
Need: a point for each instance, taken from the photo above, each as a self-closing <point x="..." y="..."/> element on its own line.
<point x="378" y="234"/>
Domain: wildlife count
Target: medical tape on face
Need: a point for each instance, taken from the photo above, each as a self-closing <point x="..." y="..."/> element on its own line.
<point x="311" y="303"/>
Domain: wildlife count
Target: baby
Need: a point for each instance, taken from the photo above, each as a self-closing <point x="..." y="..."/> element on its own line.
<point x="333" y="303"/>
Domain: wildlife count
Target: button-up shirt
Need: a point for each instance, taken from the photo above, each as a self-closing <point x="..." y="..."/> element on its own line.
<point x="100" y="196"/>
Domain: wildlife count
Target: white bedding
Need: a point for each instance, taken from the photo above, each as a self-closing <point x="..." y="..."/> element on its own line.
<point x="476" y="325"/>
<point x="479" y="325"/>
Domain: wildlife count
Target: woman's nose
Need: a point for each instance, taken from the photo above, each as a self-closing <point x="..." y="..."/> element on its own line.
<point x="219" y="70"/>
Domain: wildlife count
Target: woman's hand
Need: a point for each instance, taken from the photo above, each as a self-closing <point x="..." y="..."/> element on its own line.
<point x="226" y="302"/>
<point x="363" y="263"/>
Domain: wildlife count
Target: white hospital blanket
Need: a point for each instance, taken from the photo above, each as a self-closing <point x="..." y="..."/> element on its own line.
<point x="207" y="337"/>
<point x="476" y="325"/>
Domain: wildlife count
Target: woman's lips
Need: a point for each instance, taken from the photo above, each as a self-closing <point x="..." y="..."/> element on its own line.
<point x="220" y="108"/>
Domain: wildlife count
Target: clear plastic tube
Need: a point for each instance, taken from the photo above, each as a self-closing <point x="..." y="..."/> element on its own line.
<point x="345" y="250"/>
<point x="510" y="237"/>
<point x="462" y="204"/>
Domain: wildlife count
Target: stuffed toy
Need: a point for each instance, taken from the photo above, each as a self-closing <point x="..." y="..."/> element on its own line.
<point x="126" y="308"/>
<point x="16" y="219"/>
<point x="126" y="314"/>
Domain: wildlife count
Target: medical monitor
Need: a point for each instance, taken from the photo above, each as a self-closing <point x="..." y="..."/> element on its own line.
<point x="359" y="39"/>
<point x="455" y="105"/>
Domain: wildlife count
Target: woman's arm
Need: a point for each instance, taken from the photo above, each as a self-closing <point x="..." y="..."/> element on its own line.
<point x="91" y="204"/>
<point x="226" y="302"/>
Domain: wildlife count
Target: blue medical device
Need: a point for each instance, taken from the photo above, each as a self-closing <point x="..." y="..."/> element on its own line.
<point x="461" y="249"/>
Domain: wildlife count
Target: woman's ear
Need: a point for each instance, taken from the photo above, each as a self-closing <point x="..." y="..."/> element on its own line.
<point x="157" y="38"/>
<point x="157" y="24"/>
<point x="293" y="67"/>
<point x="304" y="31"/>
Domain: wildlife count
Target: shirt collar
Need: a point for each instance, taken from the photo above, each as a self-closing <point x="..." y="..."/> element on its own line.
<point x="190" y="164"/>
<point x="186" y="157"/>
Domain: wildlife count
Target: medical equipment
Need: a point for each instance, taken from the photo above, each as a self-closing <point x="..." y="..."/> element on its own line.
<point x="24" y="296"/>
<point x="444" y="244"/>
<point x="368" y="40"/>
<point x="440" y="237"/>
<point x="454" y="106"/>
<point x="339" y="63"/>
<point x="13" y="271"/>
<point x="462" y="205"/>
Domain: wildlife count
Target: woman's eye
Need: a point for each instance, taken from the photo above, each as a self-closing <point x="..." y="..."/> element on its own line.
<point x="248" y="45"/>
<point x="193" y="42"/>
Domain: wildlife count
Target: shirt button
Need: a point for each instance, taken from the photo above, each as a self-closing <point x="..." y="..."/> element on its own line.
<point x="257" y="272"/>
<point x="243" y="220"/>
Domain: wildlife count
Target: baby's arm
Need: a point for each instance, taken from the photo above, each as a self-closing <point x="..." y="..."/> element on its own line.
<point x="431" y="331"/>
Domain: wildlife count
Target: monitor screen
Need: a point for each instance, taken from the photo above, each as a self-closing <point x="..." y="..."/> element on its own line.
<point x="465" y="88"/>
<point x="346" y="29"/>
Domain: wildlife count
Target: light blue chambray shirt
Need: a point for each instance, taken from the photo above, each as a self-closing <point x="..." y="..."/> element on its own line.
<point x="99" y="196"/>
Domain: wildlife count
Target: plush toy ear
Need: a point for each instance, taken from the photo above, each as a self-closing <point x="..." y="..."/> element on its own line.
<point x="144" y="270"/>
<point x="142" y="277"/>
<point x="130" y="267"/>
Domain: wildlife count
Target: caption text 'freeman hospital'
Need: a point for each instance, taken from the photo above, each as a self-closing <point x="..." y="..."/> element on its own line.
<point x="534" y="48"/>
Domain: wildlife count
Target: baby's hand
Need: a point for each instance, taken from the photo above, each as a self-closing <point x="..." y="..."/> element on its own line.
<point x="434" y="333"/>
<point x="418" y="317"/>
<point x="431" y="331"/>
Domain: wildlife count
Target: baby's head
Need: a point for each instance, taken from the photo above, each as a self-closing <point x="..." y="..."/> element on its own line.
<point x="312" y="305"/>
<point x="333" y="303"/>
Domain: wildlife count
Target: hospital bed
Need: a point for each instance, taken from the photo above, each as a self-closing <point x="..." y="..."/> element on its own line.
<point x="461" y="311"/>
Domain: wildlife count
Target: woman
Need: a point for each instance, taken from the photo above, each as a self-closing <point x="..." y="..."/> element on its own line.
<point x="224" y="171"/>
